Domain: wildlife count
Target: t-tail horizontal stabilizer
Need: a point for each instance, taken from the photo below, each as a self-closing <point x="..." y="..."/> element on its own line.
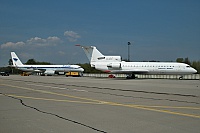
<point x="95" y="55"/>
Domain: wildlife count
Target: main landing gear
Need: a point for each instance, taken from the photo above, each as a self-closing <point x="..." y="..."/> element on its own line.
<point x="131" y="76"/>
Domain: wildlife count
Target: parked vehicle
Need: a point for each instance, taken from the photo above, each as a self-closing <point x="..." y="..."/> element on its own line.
<point x="73" y="74"/>
<point x="4" y="73"/>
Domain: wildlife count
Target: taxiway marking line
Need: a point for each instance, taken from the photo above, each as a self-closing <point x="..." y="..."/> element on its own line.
<point x="49" y="99"/>
<point x="108" y="103"/>
<point x="53" y="93"/>
<point x="55" y="87"/>
<point x="194" y="108"/>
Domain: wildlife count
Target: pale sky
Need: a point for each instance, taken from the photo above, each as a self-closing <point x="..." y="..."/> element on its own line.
<point x="47" y="30"/>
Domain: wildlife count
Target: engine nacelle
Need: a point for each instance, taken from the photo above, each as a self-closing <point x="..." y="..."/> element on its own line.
<point x="114" y="65"/>
<point x="49" y="72"/>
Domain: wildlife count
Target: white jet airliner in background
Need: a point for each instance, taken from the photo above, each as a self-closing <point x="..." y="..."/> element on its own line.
<point x="114" y="64"/>
<point x="44" y="69"/>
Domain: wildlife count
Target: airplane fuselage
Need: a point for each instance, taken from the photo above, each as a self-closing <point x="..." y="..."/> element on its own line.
<point x="57" y="68"/>
<point x="145" y="67"/>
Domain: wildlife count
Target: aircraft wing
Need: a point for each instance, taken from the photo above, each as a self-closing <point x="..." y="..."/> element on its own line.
<point x="49" y="72"/>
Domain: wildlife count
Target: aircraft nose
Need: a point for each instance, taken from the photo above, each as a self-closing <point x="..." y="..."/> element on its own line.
<point x="81" y="69"/>
<point x="194" y="70"/>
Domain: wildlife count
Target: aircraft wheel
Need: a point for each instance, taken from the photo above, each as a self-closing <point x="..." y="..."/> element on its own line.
<point x="132" y="76"/>
<point x="180" y="78"/>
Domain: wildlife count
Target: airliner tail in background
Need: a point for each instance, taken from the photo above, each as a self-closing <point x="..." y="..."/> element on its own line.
<point x="114" y="64"/>
<point x="95" y="56"/>
<point x="16" y="61"/>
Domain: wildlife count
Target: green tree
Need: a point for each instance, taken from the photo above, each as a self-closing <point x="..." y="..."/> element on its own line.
<point x="43" y="63"/>
<point x="179" y="60"/>
<point x="196" y="65"/>
<point x="88" y="69"/>
<point x="187" y="61"/>
<point x="10" y="62"/>
<point x="31" y="62"/>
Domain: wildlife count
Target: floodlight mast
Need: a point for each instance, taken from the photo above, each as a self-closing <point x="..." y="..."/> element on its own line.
<point x="129" y="43"/>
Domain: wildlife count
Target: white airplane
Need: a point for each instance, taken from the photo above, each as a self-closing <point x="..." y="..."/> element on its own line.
<point x="44" y="69"/>
<point x="114" y="64"/>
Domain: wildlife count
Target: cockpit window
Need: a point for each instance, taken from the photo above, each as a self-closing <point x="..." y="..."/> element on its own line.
<point x="187" y="66"/>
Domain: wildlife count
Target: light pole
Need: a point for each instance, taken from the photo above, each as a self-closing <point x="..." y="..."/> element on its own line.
<point x="129" y="43"/>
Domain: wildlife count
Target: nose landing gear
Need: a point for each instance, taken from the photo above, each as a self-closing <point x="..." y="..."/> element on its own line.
<point x="180" y="78"/>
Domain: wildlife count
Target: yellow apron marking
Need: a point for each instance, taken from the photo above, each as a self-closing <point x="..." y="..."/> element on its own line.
<point x="93" y="101"/>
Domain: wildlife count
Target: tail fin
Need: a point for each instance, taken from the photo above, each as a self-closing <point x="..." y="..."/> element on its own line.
<point x="92" y="53"/>
<point x="95" y="56"/>
<point x="16" y="61"/>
